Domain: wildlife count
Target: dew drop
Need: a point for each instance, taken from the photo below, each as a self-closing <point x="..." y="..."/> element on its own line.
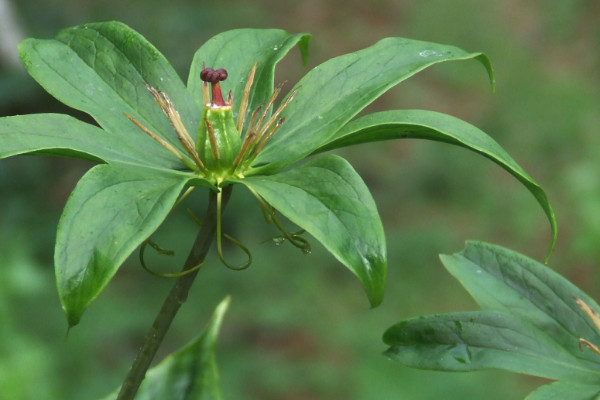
<point x="306" y="250"/>
<point x="278" y="240"/>
<point x="429" y="53"/>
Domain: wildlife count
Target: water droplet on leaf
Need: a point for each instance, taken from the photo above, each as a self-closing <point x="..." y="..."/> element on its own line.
<point x="429" y="53"/>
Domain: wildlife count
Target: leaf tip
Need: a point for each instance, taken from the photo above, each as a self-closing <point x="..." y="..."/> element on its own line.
<point x="303" y="45"/>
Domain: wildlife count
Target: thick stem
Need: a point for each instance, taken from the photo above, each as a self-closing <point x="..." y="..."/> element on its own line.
<point x="174" y="300"/>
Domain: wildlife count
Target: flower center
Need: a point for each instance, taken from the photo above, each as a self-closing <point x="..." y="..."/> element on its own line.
<point x="219" y="150"/>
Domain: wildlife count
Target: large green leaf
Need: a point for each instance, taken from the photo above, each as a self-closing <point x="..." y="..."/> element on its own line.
<point x="62" y="135"/>
<point x="565" y="391"/>
<point x="328" y="199"/>
<point x="470" y="341"/>
<point x="421" y="124"/>
<point x="190" y="373"/>
<point x="503" y="280"/>
<point x="237" y="51"/>
<point x="101" y="69"/>
<point x="111" y="211"/>
<point x="335" y="91"/>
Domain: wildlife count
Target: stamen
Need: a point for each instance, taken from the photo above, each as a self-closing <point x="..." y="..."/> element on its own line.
<point x="270" y="104"/>
<point x="157" y="98"/>
<point x="245" y="99"/>
<point x="276" y="114"/>
<point x="214" y="147"/>
<point x="268" y="136"/>
<point x="252" y="127"/>
<point x="589" y="345"/>
<point x="162" y="142"/>
<point x="165" y="103"/>
<point x="246" y="147"/>
<point x="205" y="93"/>
<point x="590" y="312"/>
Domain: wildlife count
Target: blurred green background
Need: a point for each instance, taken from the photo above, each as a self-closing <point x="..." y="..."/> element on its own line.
<point x="299" y="326"/>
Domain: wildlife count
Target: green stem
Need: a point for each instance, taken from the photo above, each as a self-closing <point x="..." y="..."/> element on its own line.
<point x="174" y="300"/>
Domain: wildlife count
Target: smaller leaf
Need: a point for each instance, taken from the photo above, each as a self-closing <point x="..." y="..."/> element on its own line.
<point x="111" y="211"/>
<point x="328" y="199"/>
<point x="422" y="124"/>
<point x="470" y="341"/>
<point x="565" y="391"/>
<point x="500" y="279"/>
<point x="190" y="373"/>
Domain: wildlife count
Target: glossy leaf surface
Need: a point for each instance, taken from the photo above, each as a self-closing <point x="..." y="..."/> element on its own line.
<point x="328" y="199"/>
<point x="565" y="391"/>
<point x="335" y="91"/>
<point x="422" y="124"/>
<point x="111" y="211"/>
<point x="101" y="69"/>
<point x="503" y="280"/>
<point x="62" y="135"/>
<point x="531" y="323"/>
<point x="190" y="373"/>
<point x="472" y="341"/>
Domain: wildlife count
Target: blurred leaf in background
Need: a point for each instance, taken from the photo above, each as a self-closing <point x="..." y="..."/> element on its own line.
<point x="291" y="338"/>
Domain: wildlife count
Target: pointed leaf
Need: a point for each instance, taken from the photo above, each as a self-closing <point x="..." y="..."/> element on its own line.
<point x="470" y="341"/>
<point x="328" y="199"/>
<point x="421" y="124"/>
<point x="502" y="280"/>
<point x="110" y="212"/>
<point x="60" y="135"/>
<point x="335" y="91"/>
<point x="190" y="373"/>
<point x="101" y="69"/>
<point x="565" y="391"/>
<point x="237" y="51"/>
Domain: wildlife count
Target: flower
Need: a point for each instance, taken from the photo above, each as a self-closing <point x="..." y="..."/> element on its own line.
<point x="219" y="152"/>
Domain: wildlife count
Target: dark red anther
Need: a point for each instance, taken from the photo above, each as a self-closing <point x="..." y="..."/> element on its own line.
<point x="214" y="77"/>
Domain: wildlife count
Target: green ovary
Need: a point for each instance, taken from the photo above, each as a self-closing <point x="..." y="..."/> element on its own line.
<point x="227" y="139"/>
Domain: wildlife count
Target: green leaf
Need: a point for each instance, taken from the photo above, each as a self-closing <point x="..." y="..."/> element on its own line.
<point x="470" y="341"/>
<point x="335" y="91"/>
<point x="328" y="199"/>
<point x="421" y="124"/>
<point x="101" y="69"/>
<point x="60" y="135"/>
<point x="237" y="51"/>
<point x="190" y="373"/>
<point x="565" y="391"/>
<point x="502" y="280"/>
<point x="111" y="211"/>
